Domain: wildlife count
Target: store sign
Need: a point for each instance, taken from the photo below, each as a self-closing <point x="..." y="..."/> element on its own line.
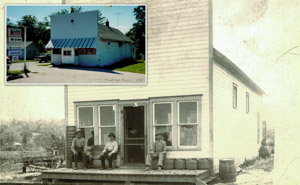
<point x="15" y="32"/>
<point x="15" y="39"/>
<point x="15" y="58"/>
<point x="16" y="51"/>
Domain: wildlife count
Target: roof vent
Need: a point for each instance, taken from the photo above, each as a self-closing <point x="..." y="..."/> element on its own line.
<point x="107" y="23"/>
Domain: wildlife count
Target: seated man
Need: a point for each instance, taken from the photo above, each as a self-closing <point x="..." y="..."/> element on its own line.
<point x="159" y="152"/>
<point x="78" y="149"/>
<point x="89" y="145"/>
<point x="110" y="151"/>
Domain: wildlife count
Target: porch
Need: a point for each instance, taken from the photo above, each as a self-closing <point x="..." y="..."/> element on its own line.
<point x="126" y="175"/>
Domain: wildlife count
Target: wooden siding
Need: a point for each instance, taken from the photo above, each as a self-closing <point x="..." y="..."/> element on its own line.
<point x="177" y="59"/>
<point x="235" y="131"/>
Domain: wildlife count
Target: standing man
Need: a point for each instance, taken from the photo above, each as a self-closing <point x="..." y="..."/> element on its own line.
<point x="159" y="152"/>
<point x="78" y="149"/>
<point x="90" y="144"/>
<point x="110" y="151"/>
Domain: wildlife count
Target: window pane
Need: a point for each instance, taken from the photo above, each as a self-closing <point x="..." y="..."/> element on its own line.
<point x="188" y="135"/>
<point x="107" y="115"/>
<point x="85" y="116"/>
<point x="188" y="112"/>
<point x="104" y="134"/>
<point x="162" y="113"/>
<point x="167" y="133"/>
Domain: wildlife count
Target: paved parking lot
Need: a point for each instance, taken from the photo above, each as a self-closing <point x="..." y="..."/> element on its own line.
<point x="50" y="74"/>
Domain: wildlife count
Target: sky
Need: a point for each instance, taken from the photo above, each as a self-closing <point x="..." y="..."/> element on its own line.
<point x="125" y="13"/>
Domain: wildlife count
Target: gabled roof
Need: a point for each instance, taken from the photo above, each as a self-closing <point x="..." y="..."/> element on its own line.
<point x="18" y="44"/>
<point x="112" y="34"/>
<point x="236" y="71"/>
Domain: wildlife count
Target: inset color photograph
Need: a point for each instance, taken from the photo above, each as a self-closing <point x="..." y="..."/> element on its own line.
<point x="76" y="45"/>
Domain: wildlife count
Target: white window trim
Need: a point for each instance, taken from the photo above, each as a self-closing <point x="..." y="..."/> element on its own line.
<point x="106" y="126"/>
<point x="78" y="117"/>
<point x="247" y="102"/>
<point x="234" y="98"/>
<point x="182" y="124"/>
<point x="155" y="125"/>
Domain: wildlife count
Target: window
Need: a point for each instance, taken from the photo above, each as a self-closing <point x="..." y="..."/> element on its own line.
<point x="258" y="128"/>
<point x="188" y="122"/>
<point x="56" y="51"/>
<point x="85" y="120"/>
<point x="179" y="120"/>
<point x="247" y="102"/>
<point x="34" y="52"/>
<point x="76" y="52"/>
<point x="83" y="50"/>
<point x="163" y="121"/>
<point x="91" y="51"/>
<point x="107" y="122"/>
<point x="67" y="52"/>
<point x="234" y="95"/>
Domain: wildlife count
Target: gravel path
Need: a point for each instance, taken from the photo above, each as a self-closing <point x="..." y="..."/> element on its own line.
<point x="50" y="74"/>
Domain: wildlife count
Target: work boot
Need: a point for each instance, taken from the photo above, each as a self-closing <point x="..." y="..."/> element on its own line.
<point x="147" y="168"/>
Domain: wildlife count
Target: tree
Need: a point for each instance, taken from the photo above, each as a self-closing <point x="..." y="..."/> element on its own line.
<point x="30" y="22"/>
<point x="137" y="32"/>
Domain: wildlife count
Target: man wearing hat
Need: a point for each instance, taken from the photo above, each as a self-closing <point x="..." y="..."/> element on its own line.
<point x="78" y="148"/>
<point x="110" y="151"/>
<point x="159" y="152"/>
<point x="89" y="146"/>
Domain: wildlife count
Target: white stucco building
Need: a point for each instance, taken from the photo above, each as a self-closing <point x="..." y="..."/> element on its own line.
<point x="78" y="39"/>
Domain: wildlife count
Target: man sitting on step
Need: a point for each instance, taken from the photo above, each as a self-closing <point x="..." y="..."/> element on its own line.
<point x="110" y="151"/>
<point x="159" y="152"/>
<point x="78" y="149"/>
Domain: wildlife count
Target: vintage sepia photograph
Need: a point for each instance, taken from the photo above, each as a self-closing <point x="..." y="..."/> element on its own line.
<point x="62" y="44"/>
<point x="150" y="92"/>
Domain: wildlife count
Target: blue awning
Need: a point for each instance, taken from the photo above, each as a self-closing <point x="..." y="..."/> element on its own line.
<point x="72" y="43"/>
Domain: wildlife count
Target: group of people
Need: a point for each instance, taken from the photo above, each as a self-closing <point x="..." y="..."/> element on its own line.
<point x="81" y="148"/>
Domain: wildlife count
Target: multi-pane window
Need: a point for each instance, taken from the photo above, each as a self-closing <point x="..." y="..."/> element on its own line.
<point x="188" y="122"/>
<point x="247" y="102"/>
<point x="163" y="121"/>
<point x="56" y="51"/>
<point x="67" y="52"/>
<point x="234" y="95"/>
<point x="85" y="120"/>
<point x="107" y="122"/>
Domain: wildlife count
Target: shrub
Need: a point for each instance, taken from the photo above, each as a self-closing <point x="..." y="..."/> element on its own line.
<point x="264" y="152"/>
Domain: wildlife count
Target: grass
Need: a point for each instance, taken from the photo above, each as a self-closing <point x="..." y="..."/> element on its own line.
<point x="44" y="64"/>
<point x="22" y="61"/>
<point x="128" y="65"/>
<point x="17" y="72"/>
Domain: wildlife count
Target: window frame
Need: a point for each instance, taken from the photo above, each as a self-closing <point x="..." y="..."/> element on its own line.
<point x="106" y="126"/>
<point x="162" y="125"/>
<point x="247" y="102"/>
<point x="175" y="100"/>
<point x="68" y="51"/>
<point x="182" y="124"/>
<point x="234" y="95"/>
<point x="77" y="116"/>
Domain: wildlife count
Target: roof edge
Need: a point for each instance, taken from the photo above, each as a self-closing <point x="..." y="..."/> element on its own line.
<point x="236" y="71"/>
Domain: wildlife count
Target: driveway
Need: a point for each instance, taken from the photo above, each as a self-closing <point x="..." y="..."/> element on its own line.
<point x="50" y="74"/>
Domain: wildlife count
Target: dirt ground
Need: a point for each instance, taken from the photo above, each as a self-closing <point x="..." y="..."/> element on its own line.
<point x="261" y="173"/>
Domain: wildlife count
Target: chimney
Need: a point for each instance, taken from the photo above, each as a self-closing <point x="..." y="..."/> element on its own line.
<point x="107" y="23"/>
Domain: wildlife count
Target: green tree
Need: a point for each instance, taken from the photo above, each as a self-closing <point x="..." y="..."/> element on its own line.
<point x="137" y="32"/>
<point x="30" y="22"/>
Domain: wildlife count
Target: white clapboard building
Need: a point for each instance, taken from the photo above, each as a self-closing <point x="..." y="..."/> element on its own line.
<point x="78" y="39"/>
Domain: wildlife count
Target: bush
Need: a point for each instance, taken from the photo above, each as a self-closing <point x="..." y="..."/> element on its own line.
<point x="264" y="152"/>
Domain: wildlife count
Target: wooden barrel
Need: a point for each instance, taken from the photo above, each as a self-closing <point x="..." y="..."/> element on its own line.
<point x="191" y="164"/>
<point x="70" y="132"/>
<point x="203" y="164"/>
<point x="227" y="170"/>
<point x="169" y="164"/>
<point x="179" y="164"/>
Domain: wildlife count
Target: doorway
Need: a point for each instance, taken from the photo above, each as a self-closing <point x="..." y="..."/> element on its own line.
<point x="134" y="135"/>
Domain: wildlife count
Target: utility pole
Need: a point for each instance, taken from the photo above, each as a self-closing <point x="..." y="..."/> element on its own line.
<point x="118" y="19"/>
<point x="25" y="69"/>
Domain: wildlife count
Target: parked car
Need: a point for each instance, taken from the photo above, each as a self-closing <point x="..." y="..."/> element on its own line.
<point x="43" y="58"/>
